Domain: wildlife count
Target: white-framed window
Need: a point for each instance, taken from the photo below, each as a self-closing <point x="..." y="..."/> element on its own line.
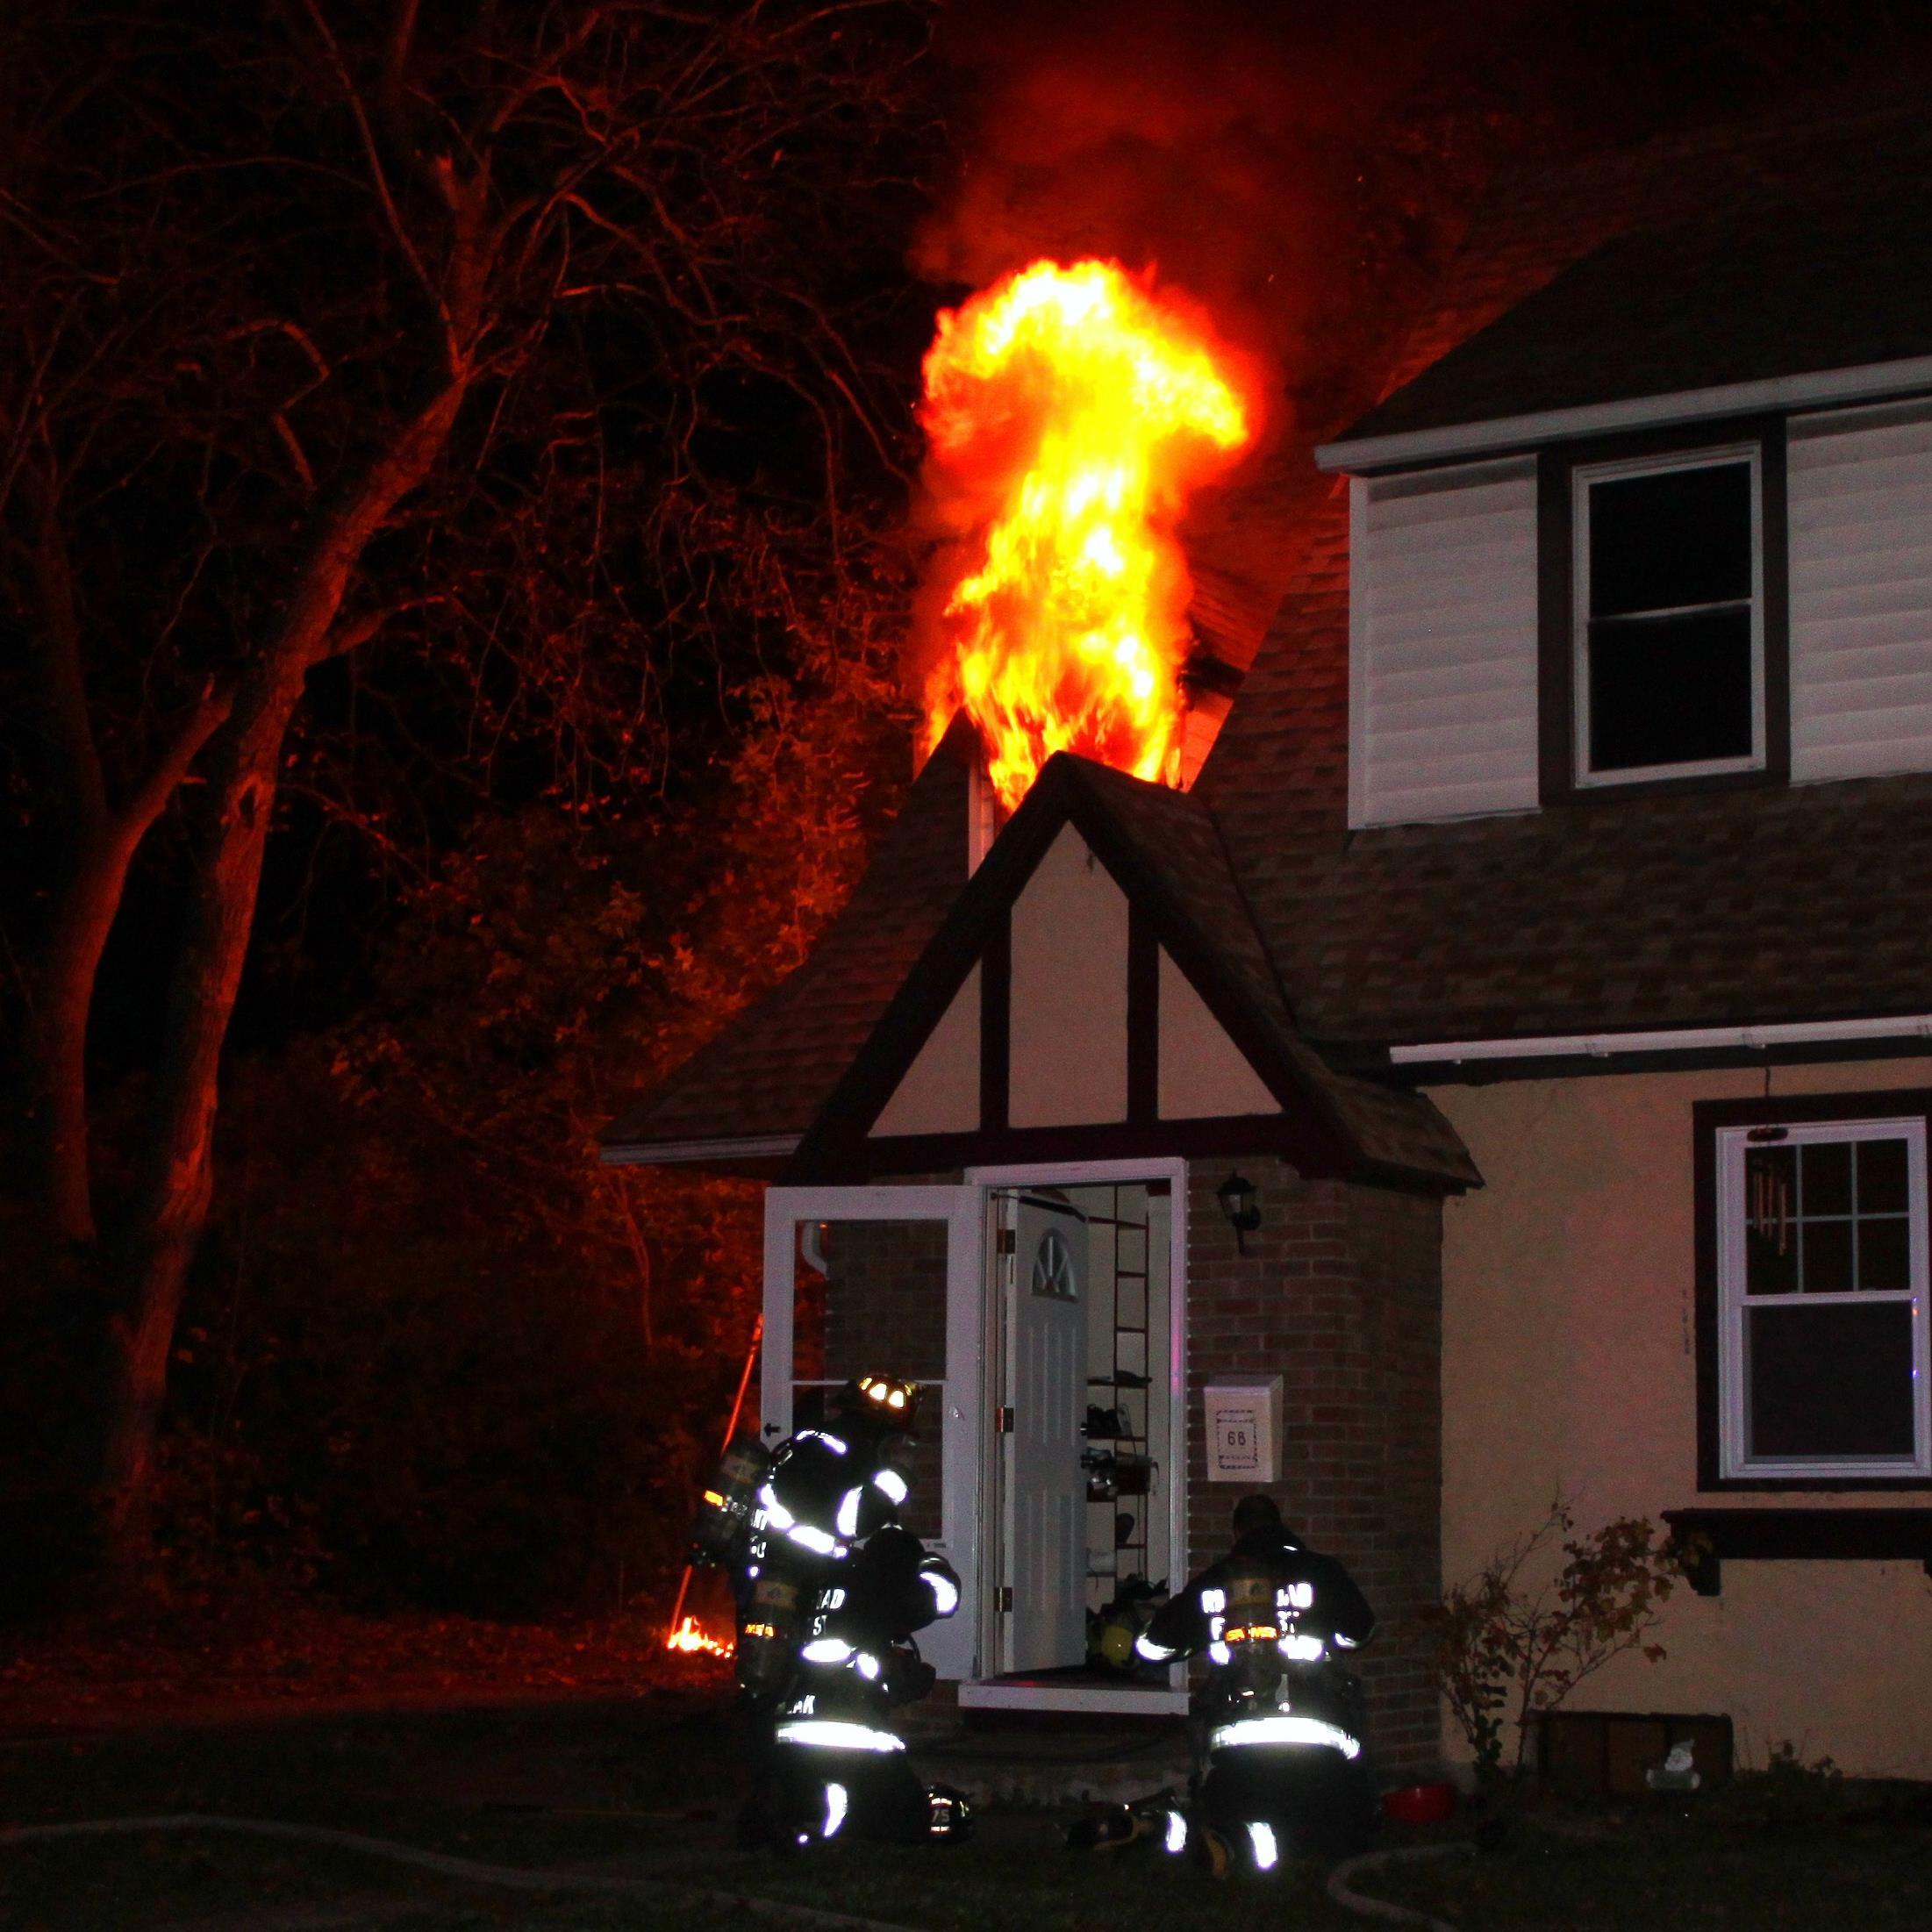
<point x="1824" y="1369"/>
<point x="1668" y="616"/>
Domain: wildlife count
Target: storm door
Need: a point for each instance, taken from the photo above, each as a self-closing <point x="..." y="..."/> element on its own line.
<point x="888" y="1281"/>
<point x="1046" y="1487"/>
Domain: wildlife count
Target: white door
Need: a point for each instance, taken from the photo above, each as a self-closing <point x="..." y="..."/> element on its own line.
<point x="890" y="1281"/>
<point x="1047" y="1371"/>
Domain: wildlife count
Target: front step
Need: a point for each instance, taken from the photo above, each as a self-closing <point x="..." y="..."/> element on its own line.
<point x="1054" y="1764"/>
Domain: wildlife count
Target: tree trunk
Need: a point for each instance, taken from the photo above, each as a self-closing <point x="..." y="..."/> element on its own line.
<point x="172" y="1209"/>
<point x="82" y="923"/>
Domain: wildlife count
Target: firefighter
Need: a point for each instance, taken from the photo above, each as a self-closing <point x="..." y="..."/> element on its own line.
<point x="1277" y="1727"/>
<point x="832" y="1591"/>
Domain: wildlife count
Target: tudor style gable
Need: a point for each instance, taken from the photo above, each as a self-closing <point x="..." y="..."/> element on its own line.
<point x="1100" y="982"/>
<point x="1100" y="1025"/>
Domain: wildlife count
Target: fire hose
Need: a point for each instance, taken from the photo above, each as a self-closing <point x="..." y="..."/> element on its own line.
<point x="1341" y="1889"/>
<point x="509" y="1877"/>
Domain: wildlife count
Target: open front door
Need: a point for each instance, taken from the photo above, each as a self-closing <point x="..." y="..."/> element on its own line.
<point x="1047" y="1356"/>
<point x="889" y="1281"/>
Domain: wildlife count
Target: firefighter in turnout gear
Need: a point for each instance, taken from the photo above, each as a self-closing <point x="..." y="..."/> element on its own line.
<point x="1277" y="1727"/>
<point x="831" y="1590"/>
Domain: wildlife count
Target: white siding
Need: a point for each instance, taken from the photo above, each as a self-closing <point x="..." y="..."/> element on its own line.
<point x="1442" y="644"/>
<point x="1861" y="592"/>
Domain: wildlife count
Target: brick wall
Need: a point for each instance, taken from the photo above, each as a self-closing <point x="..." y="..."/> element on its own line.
<point x="1341" y="1292"/>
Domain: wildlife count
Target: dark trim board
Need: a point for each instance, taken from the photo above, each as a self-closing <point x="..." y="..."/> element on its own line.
<point x="1230" y="1136"/>
<point x="996" y="1006"/>
<point x="1803" y="1535"/>
<point x="1706" y="1117"/>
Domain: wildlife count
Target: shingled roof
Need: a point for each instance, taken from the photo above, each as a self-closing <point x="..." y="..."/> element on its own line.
<point x="768" y="1073"/>
<point x="1736" y="223"/>
<point x="1723" y="907"/>
<point x="1718" y="907"/>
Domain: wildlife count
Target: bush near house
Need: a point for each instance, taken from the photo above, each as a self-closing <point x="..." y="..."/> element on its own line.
<point x="1505" y="1648"/>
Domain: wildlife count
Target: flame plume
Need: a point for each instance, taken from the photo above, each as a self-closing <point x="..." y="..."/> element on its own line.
<point x="1069" y="413"/>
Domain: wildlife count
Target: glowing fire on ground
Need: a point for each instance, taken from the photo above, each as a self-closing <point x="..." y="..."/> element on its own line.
<point x="1069" y="413"/>
<point x="689" y="1638"/>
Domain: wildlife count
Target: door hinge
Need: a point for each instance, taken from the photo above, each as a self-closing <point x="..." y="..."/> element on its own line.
<point x="1006" y="1241"/>
<point x="1003" y="1596"/>
<point x="1002" y="1422"/>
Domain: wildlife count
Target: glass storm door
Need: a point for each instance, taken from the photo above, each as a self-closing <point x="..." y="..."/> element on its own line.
<point x="888" y="1281"/>
<point x="1046" y="1488"/>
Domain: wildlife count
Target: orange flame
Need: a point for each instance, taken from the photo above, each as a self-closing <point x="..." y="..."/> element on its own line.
<point x="1069" y="413"/>
<point x="689" y="1636"/>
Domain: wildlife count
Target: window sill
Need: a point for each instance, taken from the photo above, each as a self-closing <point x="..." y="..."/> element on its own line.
<point x="1821" y="1536"/>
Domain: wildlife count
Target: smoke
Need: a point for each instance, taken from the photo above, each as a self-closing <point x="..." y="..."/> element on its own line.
<point x="1225" y="148"/>
<point x="1215" y="142"/>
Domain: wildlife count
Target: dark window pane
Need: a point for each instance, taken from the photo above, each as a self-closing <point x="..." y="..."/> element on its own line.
<point x="1670" y="690"/>
<point x="1659" y="542"/>
<point x="1884" y="1254"/>
<point x="1881" y="1177"/>
<point x="1826" y="1168"/>
<point x="1827" y="1257"/>
<point x="1830" y="1381"/>
<point x="1771" y="1221"/>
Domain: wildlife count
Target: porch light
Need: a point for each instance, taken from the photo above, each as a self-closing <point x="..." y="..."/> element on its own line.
<point x="1237" y="1200"/>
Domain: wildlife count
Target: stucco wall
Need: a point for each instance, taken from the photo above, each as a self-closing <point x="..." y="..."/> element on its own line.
<point x="1201" y="1071"/>
<point x="1069" y="1030"/>
<point x="1567" y="1365"/>
<point x="940" y="1093"/>
<point x="1338" y="1290"/>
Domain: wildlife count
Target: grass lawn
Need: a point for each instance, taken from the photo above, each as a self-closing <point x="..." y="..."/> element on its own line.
<point x="642" y="1788"/>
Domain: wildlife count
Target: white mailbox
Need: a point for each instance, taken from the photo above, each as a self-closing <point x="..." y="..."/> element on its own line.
<point x="1244" y="1429"/>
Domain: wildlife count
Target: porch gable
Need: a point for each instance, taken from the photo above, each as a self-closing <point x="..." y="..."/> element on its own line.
<point x="1098" y="990"/>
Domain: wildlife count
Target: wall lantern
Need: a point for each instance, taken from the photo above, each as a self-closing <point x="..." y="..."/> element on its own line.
<point x="1237" y="1200"/>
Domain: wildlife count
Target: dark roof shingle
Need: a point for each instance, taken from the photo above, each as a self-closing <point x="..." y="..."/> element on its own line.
<point x="770" y="1070"/>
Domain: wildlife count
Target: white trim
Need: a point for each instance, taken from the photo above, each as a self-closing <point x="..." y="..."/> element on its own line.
<point x="749" y="1147"/>
<point x="952" y="1647"/>
<point x="1173" y="1170"/>
<point x="1600" y="1046"/>
<point x="1734" y="1299"/>
<point x="1866" y="382"/>
<point x="993" y="1694"/>
<point x="1584" y="478"/>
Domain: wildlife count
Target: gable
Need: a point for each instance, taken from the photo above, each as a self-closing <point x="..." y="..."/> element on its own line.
<point x="1080" y="1032"/>
<point x="1052" y="958"/>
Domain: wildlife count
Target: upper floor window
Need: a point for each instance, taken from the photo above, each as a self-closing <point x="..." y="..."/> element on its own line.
<point x="1668" y="589"/>
<point x="1664" y="594"/>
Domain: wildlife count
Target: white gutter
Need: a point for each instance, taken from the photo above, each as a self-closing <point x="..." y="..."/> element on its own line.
<point x="750" y="1147"/>
<point x="1867" y="382"/>
<point x="1600" y="1046"/>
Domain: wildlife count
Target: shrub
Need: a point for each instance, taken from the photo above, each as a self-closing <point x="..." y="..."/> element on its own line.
<point x="1502" y="1652"/>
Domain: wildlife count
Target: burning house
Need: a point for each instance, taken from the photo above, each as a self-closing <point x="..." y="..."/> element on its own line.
<point x="1497" y="1064"/>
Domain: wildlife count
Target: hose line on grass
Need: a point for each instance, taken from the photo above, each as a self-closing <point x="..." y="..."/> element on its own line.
<point x="1339" y="1888"/>
<point x="510" y="1878"/>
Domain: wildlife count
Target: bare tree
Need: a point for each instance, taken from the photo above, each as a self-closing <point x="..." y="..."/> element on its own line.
<point x="300" y="312"/>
